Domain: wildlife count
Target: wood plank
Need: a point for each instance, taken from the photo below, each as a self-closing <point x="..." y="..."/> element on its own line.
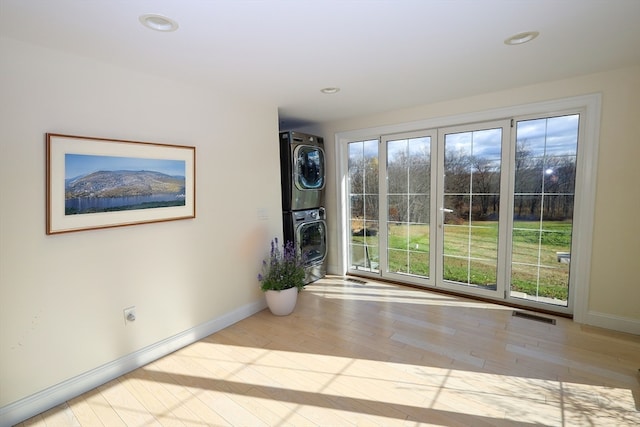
<point x="128" y="408"/>
<point x="381" y="355"/>
<point x="84" y="413"/>
<point x="103" y="410"/>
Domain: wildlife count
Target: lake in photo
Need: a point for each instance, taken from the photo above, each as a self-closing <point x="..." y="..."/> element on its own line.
<point x="106" y="183"/>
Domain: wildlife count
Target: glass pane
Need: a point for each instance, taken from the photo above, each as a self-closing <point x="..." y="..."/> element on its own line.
<point x="418" y="209"/>
<point x="364" y="257"/>
<point x="409" y="186"/>
<point x="420" y="179"/>
<point x="485" y="207"/>
<point x="396" y="179"/>
<point x="456" y="240"/>
<point x="456" y="269"/>
<point x="543" y="208"/>
<point x="363" y="167"/>
<point x="419" y="237"/>
<point x="487" y="144"/>
<point x="420" y="165"/>
<point x="397" y="166"/>
<point x="524" y="279"/>
<point x="398" y="235"/>
<point x="364" y="231"/>
<point x="356" y="168"/>
<point x="363" y="205"/>
<point x="562" y="136"/>
<point x="356" y="182"/>
<point x="398" y="208"/>
<point x="553" y="284"/>
<point x="527" y="208"/>
<point x="525" y="244"/>
<point x="484" y="241"/>
<point x="554" y="238"/>
<point x="543" y="284"/>
<point x="529" y="176"/>
<point x="357" y="256"/>
<point x="531" y="138"/>
<point x="484" y="274"/>
<point x="419" y="263"/>
<point x="371" y="206"/>
<point x="357" y="230"/>
<point x="357" y="206"/>
<point x="398" y="261"/>
<point x="457" y="163"/>
<point x="371" y="170"/>
<point x="370" y="232"/>
<point x="471" y="203"/>
<point x="312" y="241"/>
<point x="396" y="151"/>
<point x="560" y="174"/>
<point x="310" y="170"/>
<point x="420" y="150"/>
<point x="459" y="207"/>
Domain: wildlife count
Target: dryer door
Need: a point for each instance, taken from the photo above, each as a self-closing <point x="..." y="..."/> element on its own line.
<point x="312" y="241"/>
<point x="309" y="167"/>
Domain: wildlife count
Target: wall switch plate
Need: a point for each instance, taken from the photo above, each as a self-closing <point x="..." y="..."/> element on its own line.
<point x="129" y="314"/>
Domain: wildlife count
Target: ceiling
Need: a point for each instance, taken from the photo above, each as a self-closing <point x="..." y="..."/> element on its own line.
<point x="382" y="54"/>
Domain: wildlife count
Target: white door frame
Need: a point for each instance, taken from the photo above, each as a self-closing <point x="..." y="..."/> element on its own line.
<point x="585" y="179"/>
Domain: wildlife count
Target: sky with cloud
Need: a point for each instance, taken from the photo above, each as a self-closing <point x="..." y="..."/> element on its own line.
<point x="82" y="164"/>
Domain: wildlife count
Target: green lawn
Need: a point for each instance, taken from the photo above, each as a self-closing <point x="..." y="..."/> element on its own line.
<point x="471" y="254"/>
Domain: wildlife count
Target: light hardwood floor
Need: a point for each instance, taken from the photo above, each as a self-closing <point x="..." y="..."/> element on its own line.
<point x="378" y="354"/>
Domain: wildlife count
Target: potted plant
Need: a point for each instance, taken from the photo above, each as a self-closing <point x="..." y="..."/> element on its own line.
<point x="282" y="278"/>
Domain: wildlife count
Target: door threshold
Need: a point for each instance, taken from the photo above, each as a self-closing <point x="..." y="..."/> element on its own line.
<point x="471" y="297"/>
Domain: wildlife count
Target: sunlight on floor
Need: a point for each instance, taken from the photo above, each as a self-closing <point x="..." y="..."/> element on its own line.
<point x="390" y="390"/>
<point x="377" y="354"/>
<point x="392" y="294"/>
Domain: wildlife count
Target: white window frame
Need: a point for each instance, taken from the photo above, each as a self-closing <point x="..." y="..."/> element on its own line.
<point x="586" y="178"/>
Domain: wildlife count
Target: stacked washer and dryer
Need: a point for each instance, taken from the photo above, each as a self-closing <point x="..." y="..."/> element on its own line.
<point x="302" y="174"/>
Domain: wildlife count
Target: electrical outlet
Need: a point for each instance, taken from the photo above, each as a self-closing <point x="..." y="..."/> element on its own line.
<point x="129" y="314"/>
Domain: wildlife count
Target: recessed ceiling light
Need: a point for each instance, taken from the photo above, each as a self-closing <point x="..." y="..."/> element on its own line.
<point x="158" y="22"/>
<point x="330" y="90"/>
<point x="521" y="38"/>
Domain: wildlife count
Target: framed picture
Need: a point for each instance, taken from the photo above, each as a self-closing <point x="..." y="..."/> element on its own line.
<point x="99" y="183"/>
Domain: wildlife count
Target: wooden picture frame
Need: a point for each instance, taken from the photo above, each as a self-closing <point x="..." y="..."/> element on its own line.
<point x="95" y="183"/>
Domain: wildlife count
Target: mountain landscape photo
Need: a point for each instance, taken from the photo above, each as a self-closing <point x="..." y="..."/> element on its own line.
<point x="104" y="191"/>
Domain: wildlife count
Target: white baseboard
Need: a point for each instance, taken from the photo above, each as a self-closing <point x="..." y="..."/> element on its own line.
<point x="55" y="395"/>
<point x="608" y="321"/>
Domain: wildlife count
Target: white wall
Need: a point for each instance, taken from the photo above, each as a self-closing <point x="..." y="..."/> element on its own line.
<point x="62" y="296"/>
<point x="614" y="292"/>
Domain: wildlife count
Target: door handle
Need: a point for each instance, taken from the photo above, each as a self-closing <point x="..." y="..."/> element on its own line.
<point x="444" y="211"/>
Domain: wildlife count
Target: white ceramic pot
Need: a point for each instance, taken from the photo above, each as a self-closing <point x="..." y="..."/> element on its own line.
<point x="282" y="303"/>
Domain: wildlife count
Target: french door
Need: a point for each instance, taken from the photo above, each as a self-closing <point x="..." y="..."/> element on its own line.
<point x="483" y="209"/>
<point x="472" y="208"/>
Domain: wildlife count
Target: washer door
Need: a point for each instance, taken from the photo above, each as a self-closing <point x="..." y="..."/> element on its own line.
<point x="312" y="241"/>
<point x="309" y="167"/>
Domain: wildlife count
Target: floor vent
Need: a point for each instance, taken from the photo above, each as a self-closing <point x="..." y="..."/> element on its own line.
<point x="534" y="317"/>
<point x="358" y="281"/>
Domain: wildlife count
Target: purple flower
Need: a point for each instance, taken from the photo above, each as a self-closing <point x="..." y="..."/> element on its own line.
<point x="284" y="268"/>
